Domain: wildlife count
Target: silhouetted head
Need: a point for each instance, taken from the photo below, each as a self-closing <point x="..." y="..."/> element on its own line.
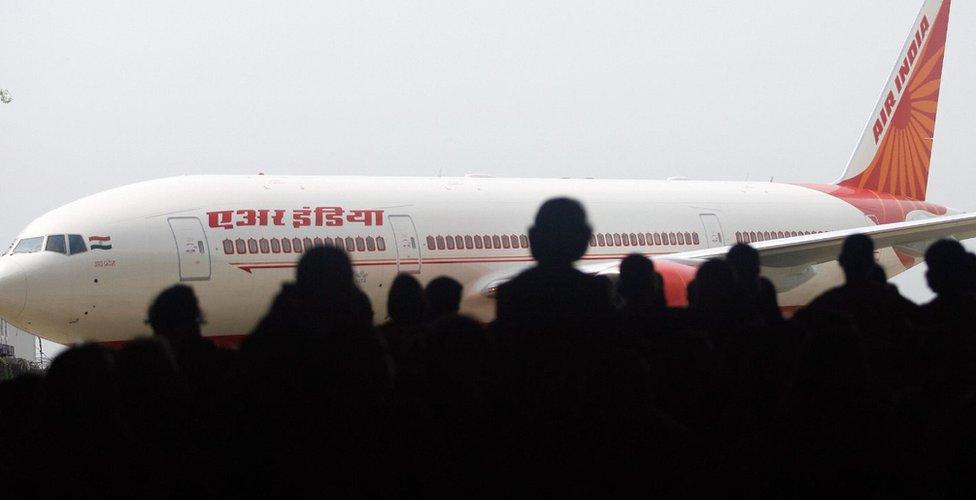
<point x="714" y="287"/>
<point x="857" y="257"/>
<point x="406" y="304"/>
<point x="637" y="277"/>
<point x="948" y="266"/>
<point x="324" y="268"/>
<point x="443" y="296"/>
<point x="175" y="313"/>
<point x="561" y="233"/>
<point x="744" y="261"/>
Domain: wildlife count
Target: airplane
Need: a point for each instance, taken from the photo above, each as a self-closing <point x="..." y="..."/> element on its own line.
<point x="88" y="270"/>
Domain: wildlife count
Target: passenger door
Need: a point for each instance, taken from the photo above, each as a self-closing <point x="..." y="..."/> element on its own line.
<point x="714" y="237"/>
<point x="407" y="244"/>
<point x="192" y="248"/>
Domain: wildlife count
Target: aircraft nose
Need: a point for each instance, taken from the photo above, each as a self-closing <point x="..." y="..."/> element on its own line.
<point x="13" y="289"/>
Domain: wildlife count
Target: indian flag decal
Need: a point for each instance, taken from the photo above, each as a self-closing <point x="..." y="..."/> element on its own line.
<point x="100" y="242"/>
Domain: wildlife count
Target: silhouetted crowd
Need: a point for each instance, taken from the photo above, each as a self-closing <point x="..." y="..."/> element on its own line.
<point x="582" y="386"/>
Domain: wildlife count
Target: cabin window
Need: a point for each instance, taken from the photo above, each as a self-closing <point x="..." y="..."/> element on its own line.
<point x="449" y="243"/>
<point x="477" y="241"/>
<point x="350" y="244"/>
<point x="681" y="239"/>
<point x="265" y="247"/>
<point x="55" y="243"/>
<point x="360" y="244"/>
<point x="370" y="243"/>
<point x="380" y="243"/>
<point x="317" y="241"/>
<point x="228" y="247"/>
<point x="524" y="240"/>
<point x="252" y="245"/>
<point x="430" y="243"/>
<point x="241" y="246"/>
<point x="505" y="242"/>
<point x="286" y="245"/>
<point x="641" y="239"/>
<point x="459" y="242"/>
<point x="29" y="245"/>
<point x="496" y="241"/>
<point x="488" y="241"/>
<point x="339" y="243"/>
<point x="76" y="244"/>
<point x="296" y="245"/>
<point x="694" y="237"/>
<point x="275" y="245"/>
<point x="468" y="242"/>
<point x="601" y="240"/>
<point x="617" y="241"/>
<point x="625" y="239"/>
<point x="440" y="242"/>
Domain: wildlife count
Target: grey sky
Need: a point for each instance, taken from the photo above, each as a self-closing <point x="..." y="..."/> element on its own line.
<point x="108" y="93"/>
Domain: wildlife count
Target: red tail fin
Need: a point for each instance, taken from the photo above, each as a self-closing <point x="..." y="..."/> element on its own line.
<point x="894" y="152"/>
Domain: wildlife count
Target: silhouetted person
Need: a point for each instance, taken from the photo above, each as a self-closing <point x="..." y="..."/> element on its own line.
<point x="80" y="435"/>
<point x="208" y="371"/>
<point x="880" y="314"/>
<point x="553" y="299"/>
<point x="644" y="309"/>
<point x="639" y="284"/>
<point x="758" y="293"/>
<point x="552" y="320"/>
<point x="404" y="332"/>
<point x="443" y="297"/>
<point x="317" y="384"/>
<point x="949" y="342"/>
<point x="715" y="301"/>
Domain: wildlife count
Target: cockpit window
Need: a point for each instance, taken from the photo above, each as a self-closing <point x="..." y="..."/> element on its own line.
<point x="29" y="245"/>
<point x="76" y="243"/>
<point x="55" y="243"/>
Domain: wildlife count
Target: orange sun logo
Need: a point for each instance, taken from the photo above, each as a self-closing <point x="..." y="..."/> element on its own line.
<point x="901" y="164"/>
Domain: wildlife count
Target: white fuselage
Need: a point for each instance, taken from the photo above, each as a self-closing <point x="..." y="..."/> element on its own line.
<point x="193" y="228"/>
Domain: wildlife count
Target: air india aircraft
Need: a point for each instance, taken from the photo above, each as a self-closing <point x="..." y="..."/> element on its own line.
<point x="88" y="270"/>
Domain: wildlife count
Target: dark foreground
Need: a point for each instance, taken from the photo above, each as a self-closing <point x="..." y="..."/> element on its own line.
<point x="581" y="387"/>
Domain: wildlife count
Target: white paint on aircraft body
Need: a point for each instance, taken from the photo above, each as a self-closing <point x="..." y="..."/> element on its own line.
<point x="66" y="304"/>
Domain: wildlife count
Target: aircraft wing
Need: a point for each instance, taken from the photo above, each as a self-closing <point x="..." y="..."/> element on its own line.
<point x="788" y="262"/>
<point x="912" y="237"/>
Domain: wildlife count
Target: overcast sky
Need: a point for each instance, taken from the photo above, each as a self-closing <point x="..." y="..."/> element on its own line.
<point x="109" y="93"/>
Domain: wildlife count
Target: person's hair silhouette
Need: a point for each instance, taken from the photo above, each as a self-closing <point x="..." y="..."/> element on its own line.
<point x="324" y="267"/>
<point x="406" y="304"/>
<point x="638" y="280"/>
<point x="561" y="233"/>
<point x="948" y="265"/>
<point x="443" y="296"/>
<point x="744" y="261"/>
<point x="857" y="258"/>
<point x="175" y="314"/>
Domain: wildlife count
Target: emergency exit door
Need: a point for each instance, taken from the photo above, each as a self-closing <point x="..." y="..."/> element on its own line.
<point x="191" y="248"/>
<point x="714" y="236"/>
<point x="407" y="243"/>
